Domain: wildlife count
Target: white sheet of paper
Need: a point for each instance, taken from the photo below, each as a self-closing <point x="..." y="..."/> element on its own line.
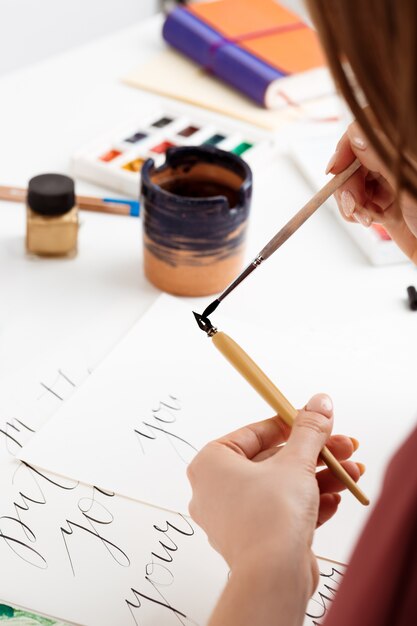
<point x="175" y="76"/>
<point x="153" y="403"/>
<point x="165" y="391"/>
<point x="84" y="554"/>
<point x="88" y="556"/>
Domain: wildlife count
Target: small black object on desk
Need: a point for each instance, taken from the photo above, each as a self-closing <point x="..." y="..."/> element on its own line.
<point x="412" y="298"/>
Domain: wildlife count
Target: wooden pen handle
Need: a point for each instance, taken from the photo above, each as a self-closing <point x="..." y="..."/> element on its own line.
<point x="243" y="363"/>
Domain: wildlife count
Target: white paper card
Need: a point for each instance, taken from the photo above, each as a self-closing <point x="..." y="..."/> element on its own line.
<point x="91" y="557"/>
<point x="165" y="391"/>
<point x="84" y="554"/>
<point x="146" y="411"/>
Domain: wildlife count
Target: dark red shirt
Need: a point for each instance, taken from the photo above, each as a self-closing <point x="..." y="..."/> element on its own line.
<point x="380" y="585"/>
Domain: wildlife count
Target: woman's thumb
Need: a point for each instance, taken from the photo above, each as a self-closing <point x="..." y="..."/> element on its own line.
<point x="312" y="428"/>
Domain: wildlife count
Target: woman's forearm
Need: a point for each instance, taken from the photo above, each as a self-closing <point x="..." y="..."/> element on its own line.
<point x="264" y="585"/>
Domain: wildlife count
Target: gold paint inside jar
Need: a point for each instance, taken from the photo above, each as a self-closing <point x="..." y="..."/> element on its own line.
<point x="52" y="236"/>
<point x="52" y="216"/>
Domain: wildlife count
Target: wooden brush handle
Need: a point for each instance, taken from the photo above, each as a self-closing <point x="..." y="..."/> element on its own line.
<point x="308" y="209"/>
<point x="243" y="363"/>
<point x="14" y="194"/>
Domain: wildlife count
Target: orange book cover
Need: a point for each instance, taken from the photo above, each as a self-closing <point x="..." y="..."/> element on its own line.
<point x="267" y="30"/>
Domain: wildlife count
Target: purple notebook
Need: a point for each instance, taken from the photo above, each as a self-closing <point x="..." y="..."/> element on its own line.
<point x="240" y="69"/>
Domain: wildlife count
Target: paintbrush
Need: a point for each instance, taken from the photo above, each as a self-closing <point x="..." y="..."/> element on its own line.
<point x="287" y="231"/>
<point x="114" y="206"/>
<point x="243" y="363"/>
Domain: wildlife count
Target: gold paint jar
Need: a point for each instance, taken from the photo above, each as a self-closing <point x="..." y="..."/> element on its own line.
<point x="52" y="216"/>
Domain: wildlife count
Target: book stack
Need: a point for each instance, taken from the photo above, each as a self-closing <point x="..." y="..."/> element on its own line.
<point x="257" y="46"/>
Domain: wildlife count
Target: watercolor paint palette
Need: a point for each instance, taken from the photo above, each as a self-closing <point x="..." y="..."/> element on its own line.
<point x="115" y="161"/>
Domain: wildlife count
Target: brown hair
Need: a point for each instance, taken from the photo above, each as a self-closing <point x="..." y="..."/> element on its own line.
<point x="378" y="40"/>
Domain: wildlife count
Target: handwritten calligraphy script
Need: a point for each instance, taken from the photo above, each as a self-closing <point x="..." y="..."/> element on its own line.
<point x="82" y="552"/>
<point x="74" y="547"/>
<point x="160" y="423"/>
<point x="149" y="410"/>
<point x="331" y="576"/>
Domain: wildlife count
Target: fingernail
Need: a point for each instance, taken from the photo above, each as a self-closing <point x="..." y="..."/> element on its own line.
<point x="326" y="404"/>
<point x="355" y="443"/>
<point x="361" y="467"/>
<point x="348" y="203"/>
<point x="362" y="218"/>
<point x="331" y="162"/>
<point x="359" y="142"/>
<point x="320" y="404"/>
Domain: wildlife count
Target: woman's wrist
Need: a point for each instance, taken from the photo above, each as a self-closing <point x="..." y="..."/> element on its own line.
<point x="282" y="562"/>
<point x="265" y="581"/>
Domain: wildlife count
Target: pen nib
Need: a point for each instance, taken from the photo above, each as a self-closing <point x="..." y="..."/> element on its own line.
<point x="205" y="324"/>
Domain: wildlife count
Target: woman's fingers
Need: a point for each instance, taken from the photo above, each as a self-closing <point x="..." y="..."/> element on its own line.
<point x="341" y="447"/>
<point x="329" y="487"/>
<point x="266" y="454"/>
<point x="250" y="440"/>
<point x="352" y="197"/>
<point x="342" y="157"/>
<point x="311" y="430"/>
<point x="364" y="197"/>
<point x="354" y="145"/>
<point x="368" y="193"/>
<point x="328" y="507"/>
<point x="328" y="483"/>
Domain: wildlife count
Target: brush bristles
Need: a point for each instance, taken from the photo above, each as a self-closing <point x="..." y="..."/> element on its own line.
<point x="211" y="308"/>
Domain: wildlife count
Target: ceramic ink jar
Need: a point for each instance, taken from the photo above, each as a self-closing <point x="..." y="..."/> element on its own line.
<point x="52" y="216"/>
<point x="195" y="210"/>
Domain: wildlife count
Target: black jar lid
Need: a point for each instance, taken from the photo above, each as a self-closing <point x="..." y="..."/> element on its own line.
<point x="51" y="194"/>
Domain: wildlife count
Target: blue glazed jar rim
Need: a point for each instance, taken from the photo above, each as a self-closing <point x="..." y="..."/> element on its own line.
<point x="204" y="154"/>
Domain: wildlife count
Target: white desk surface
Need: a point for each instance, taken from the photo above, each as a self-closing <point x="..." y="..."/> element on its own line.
<point x="318" y="280"/>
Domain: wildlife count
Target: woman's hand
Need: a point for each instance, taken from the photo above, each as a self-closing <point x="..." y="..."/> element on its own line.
<point x="369" y="195"/>
<point x="262" y="502"/>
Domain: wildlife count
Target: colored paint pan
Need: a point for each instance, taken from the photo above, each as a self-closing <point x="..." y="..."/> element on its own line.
<point x="162" y="147"/>
<point x="188" y="131"/>
<point x="162" y="122"/>
<point x="214" y="140"/>
<point x="136" y="137"/>
<point x="116" y="159"/>
<point x="110" y="155"/>
<point x="134" y="166"/>
<point x="242" y="147"/>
